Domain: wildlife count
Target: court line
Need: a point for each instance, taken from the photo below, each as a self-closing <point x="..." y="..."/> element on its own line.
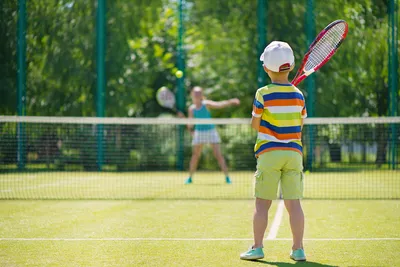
<point x="273" y="231"/>
<point x="66" y="181"/>
<point x="190" y="239"/>
<point x="16" y="179"/>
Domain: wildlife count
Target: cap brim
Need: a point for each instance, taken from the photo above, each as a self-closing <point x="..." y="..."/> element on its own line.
<point x="262" y="57"/>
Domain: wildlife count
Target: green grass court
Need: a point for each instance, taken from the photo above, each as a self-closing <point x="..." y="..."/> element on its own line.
<point x="371" y="184"/>
<point x="208" y="223"/>
<point x="191" y="233"/>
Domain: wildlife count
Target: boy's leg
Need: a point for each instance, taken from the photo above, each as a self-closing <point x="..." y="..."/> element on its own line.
<point x="296" y="217"/>
<point x="260" y="221"/>
<point x="267" y="179"/>
<point x="292" y="190"/>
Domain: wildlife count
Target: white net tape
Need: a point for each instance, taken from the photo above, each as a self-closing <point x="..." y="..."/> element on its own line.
<point x="179" y="121"/>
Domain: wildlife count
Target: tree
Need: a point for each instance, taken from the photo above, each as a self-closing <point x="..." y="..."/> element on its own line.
<point x="8" y="63"/>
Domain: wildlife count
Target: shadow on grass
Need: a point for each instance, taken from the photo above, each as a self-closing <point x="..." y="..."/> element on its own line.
<point x="294" y="264"/>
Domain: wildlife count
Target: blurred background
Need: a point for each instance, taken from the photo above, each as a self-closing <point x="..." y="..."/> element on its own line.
<point x="108" y="59"/>
<point x="221" y="44"/>
<point x="79" y="123"/>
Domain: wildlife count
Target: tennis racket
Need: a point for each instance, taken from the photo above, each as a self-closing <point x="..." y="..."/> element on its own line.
<point x="166" y="98"/>
<point x="322" y="49"/>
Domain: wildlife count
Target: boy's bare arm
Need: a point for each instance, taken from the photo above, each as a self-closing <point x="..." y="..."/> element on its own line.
<point x="255" y="123"/>
<point x="222" y="104"/>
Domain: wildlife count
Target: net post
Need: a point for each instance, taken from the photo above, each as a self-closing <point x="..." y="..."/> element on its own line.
<point x="180" y="96"/>
<point x="21" y="82"/>
<point x="100" y="65"/>
<point x="310" y="84"/>
<point x="393" y="76"/>
<point x="262" y="38"/>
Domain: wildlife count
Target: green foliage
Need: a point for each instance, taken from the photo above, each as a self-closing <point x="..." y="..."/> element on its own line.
<point x="60" y="52"/>
<point x="8" y="63"/>
<point x="140" y="56"/>
<point x="221" y="54"/>
<point x="354" y="83"/>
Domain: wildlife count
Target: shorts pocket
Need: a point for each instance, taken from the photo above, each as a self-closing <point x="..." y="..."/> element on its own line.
<point x="258" y="176"/>
<point x="301" y="184"/>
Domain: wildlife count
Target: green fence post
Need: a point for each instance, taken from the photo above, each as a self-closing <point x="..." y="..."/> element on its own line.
<point x="393" y="76"/>
<point x="310" y="84"/>
<point x="101" y="79"/>
<point x="180" y="95"/>
<point x="262" y="39"/>
<point x="21" y="82"/>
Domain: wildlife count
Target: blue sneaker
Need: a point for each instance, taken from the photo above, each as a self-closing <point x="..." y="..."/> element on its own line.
<point x="298" y="255"/>
<point x="188" y="180"/>
<point x="252" y="254"/>
<point x="228" y="180"/>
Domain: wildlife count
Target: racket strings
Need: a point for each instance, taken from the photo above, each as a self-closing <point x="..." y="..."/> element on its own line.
<point x="325" y="46"/>
<point x="165" y="98"/>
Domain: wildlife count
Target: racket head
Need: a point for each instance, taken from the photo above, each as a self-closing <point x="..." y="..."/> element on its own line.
<point x="322" y="49"/>
<point x="165" y="98"/>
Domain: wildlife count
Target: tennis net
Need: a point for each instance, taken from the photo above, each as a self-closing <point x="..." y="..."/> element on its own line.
<point x="148" y="158"/>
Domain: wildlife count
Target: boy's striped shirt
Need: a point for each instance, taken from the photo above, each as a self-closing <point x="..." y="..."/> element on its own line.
<point x="281" y="108"/>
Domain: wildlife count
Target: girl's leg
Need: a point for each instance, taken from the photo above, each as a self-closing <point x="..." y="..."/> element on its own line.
<point x="220" y="158"/>
<point x="194" y="161"/>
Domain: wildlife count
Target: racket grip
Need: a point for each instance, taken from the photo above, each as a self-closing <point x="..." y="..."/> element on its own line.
<point x="302" y="77"/>
<point x="299" y="80"/>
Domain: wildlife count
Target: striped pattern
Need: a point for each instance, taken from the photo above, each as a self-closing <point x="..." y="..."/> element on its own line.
<point x="281" y="108"/>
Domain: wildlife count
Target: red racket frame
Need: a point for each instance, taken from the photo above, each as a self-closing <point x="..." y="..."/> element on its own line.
<point x="299" y="78"/>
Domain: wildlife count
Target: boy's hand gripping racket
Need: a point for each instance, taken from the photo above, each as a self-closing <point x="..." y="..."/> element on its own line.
<point x="322" y="49"/>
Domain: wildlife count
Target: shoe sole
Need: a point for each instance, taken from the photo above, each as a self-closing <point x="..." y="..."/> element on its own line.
<point x="252" y="258"/>
<point x="301" y="259"/>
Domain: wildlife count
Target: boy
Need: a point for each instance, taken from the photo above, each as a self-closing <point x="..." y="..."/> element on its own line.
<point x="206" y="133"/>
<point x="278" y="113"/>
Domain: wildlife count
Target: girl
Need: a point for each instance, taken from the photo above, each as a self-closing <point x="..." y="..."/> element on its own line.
<point x="206" y="133"/>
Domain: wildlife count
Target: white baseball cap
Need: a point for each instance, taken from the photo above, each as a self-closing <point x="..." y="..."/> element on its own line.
<point x="278" y="56"/>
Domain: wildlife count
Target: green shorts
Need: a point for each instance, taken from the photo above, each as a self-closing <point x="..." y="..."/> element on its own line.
<point x="277" y="166"/>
